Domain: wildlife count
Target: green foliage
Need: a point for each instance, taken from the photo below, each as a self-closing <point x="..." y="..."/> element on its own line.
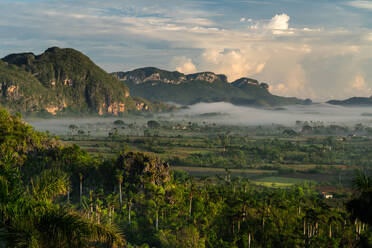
<point x="119" y="123"/>
<point x="154" y="207"/>
<point x="22" y="89"/>
<point x="360" y="206"/>
<point x="29" y="216"/>
<point x="153" y="124"/>
<point x="32" y="220"/>
<point x="66" y="82"/>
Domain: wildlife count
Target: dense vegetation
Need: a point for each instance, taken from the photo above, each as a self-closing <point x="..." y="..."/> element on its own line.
<point x="53" y="195"/>
<point x="64" y="81"/>
<point x="224" y="146"/>
<point x="30" y="211"/>
<point x="14" y="80"/>
<point x="159" y="85"/>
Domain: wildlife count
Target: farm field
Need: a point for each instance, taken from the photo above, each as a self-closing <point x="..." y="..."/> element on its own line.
<point x="280" y="182"/>
<point x="211" y="172"/>
<point x="210" y="150"/>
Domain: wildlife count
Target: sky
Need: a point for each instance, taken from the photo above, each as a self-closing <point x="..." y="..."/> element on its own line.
<point x="319" y="49"/>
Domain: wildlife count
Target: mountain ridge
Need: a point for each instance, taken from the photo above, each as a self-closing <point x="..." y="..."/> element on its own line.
<point x="173" y="86"/>
<point x="353" y="101"/>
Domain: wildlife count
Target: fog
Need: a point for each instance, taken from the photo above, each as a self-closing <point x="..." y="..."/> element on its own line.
<point x="97" y="126"/>
<point x="228" y="113"/>
<point x="220" y="113"/>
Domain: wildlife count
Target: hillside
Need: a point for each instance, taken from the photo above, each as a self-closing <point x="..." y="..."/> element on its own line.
<point x="353" y="101"/>
<point x="22" y="91"/>
<point x="63" y="81"/>
<point x="160" y="85"/>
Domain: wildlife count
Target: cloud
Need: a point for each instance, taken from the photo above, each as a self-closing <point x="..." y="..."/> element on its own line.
<point x="289" y="78"/>
<point x="234" y="63"/>
<point x="279" y="22"/>
<point x="360" y="87"/>
<point x="303" y="60"/>
<point x="186" y="65"/>
<point x="361" y="4"/>
<point x="369" y="37"/>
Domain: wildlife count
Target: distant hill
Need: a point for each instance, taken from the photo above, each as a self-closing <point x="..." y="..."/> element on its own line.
<point x="160" y="85"/>
<point x="354" y="101"/>
<point x="63" y="81"/>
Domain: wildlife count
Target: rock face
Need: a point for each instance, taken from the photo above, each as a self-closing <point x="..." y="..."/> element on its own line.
<point x="244" y="81"/>
<point x="9" y="90"/>
<point x="151" y="74"/>
<point x="160" y="85"/>
<point x="209" y="77"/>
<point x="63" y="80"/>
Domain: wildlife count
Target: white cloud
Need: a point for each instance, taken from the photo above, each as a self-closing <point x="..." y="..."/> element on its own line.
<point x="369" y="37"/>
<point x="361" y="4"/>
<point x="360" y="87"/>
<point x="186" y="65"/>
<point x="234" y="63"/>
<point x="243" y="19"/>
<point x="279" y="22"/>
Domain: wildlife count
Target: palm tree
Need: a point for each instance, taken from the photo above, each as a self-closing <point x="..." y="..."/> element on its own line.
<point x="81" y="187"/>
<point x="360" y="207"/>
<point x="119" y="177"/>
<point x="28" y="217"/>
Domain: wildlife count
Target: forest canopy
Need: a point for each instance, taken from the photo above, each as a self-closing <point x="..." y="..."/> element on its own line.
<point x="56" y="195"/>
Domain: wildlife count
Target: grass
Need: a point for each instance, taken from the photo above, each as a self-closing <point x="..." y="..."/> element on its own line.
<point x="279" y="182"/>
<point x="210" y="172"/>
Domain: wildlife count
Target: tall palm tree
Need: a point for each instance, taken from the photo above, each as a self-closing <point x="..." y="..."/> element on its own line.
<point x="81" y="187"/>
<point x="119" y="177"/>
<point x="28" y="217"/>
<point x="360" y="207"/>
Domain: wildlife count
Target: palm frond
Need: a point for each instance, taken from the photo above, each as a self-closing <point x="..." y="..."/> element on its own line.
<point x="362" y="182"/>
<point x="49" y="184"/>
<point x="61" y="228"/>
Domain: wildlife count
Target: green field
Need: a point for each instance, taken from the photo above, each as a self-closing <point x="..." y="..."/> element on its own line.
<point x="280" y="182"/>
<point x="211" y="172"/>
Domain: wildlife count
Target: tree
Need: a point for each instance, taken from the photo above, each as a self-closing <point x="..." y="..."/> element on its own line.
<point x="224" y="140"/>
<point x="29" y="218"/>
<point x="153" y="124"/>
<point x="119" y="177"/>
<point x="73" y="128"/>
<point x="81" y="187"/>
<point x="360" y="207"/>
<point x="119" y="123"/>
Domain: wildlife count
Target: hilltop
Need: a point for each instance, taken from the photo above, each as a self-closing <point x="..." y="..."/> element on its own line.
<point x="353" y="101"/>
<point x="63" y="81"/>
<point x="161" y="85"/>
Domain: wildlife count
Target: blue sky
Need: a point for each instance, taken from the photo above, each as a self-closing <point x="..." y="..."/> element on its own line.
<point x="320" y="49"/>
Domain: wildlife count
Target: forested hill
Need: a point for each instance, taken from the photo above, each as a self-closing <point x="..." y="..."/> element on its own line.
<point x="353" y="101"/>
<point x="160" y="85"/>
<point x="63" y="81"/>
